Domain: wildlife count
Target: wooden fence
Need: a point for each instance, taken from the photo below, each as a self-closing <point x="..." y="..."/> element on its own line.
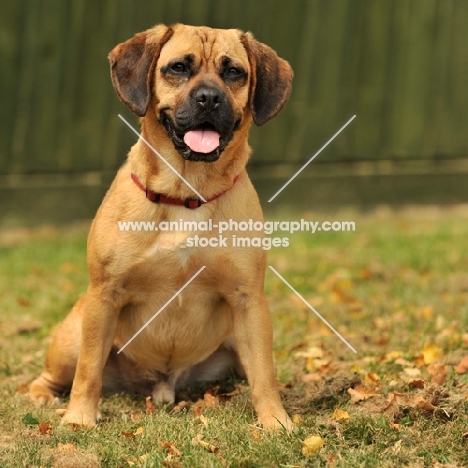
<point x="400" y="65"/>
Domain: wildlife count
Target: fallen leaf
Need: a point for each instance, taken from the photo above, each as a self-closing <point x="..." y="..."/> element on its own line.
<point x="203" y="419"/>
<point x="150" y="406"/>
<point x="312" y="352"/>
<point x="255" y="432"/>
<point x="127" y="434"/>
<point x="412" y="371"/>
<point x="297" y="419"/>
<point x="23" y="388"/>
<point x="340" y="415"/>
<point x="438" y="373"/>
<point x="372" y="377"/>
<point x="432" y="354"/>
<point x="426" y="406"/>
<point x="417" y="383"/>
<point x="171" y="448"/>
<point x="138" y="431"/>
<point x="210" y="400"/>
<point x="313" y="377"/>
<point x="393" y="355"/>
<point x="397" y="446"/>
<point x="312" y="445"/>
<point x="462" y="366"/>
<point x="45" y="428"/>
<point x="198" y="440"/>
<point x="313" y="364"/>
<point x="180" y="406"/>
<point x="360" y="393"/>
<point x="23" y="302"/>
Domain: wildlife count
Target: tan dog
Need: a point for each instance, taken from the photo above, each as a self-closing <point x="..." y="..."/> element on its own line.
<point x="196" y="90"/>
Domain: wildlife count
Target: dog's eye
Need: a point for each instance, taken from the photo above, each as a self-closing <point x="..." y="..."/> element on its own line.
<point x="233" y="72"/>
<point x="178" y="68"/>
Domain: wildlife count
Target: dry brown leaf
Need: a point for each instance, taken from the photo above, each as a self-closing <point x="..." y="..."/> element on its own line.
<point x="180" y="406"/>
<point x="313" y="377"/>
<point x="397" y="446"/>
<point x="312" y="445"/>
<point x="426" y="406"/>
<point x="198" y="407"/>
<point x="210" y="400"/>
<point x="438" y="373"/>
<point x="23" y="302"/>
<point x="138" y="431"/>
<point x="255" y="432"/>
<point x="297" y="419"/>
<point x="360" y="393"/>
<point x="127" y="434"/>
<point x="203" y="419"/>
<point x="45" y="428"/>
<point x="373" y="377"/>
<point x="340" y="415"/>
<point x="417" y="383"/>
<point x="173" y="451"/>
<point x="198" y="440"/>
<point x="23" y="388"/>
<point x="317" y="364"/>
<point x="462" y="366"/>
<point x="150" y="406"/>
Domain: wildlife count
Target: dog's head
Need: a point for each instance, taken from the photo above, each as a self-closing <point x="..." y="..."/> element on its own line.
<point x="204" y="84"/>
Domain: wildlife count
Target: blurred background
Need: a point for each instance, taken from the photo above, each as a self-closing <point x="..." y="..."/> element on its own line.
<point x="400" y="65"/>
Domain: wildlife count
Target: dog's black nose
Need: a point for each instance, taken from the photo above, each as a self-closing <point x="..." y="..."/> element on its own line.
<point x="208" y="98"/>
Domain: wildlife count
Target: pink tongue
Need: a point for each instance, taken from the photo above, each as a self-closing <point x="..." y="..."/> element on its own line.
<point x="202" y="141"/>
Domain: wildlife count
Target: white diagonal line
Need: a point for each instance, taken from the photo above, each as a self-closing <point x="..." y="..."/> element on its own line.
<point x="161" y="309"/>
<point x="312" y="158"/>
<point x="313" y="310"/>
<point x="157" y="154"/>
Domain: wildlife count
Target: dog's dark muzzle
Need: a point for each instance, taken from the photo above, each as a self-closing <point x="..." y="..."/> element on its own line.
<point x="203" y="125"/>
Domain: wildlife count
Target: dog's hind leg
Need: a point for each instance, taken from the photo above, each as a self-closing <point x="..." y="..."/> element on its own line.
<point x="61" y="360"/>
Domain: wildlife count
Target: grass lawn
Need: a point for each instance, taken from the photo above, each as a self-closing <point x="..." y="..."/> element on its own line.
<point x="396" y="289"/>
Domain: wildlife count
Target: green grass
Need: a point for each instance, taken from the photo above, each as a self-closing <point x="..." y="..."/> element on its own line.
<point x="395" y="289"/>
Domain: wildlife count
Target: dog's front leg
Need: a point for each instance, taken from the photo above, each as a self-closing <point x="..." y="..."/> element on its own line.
<point x="100" y="318"/>
<point x="253" y="337"/>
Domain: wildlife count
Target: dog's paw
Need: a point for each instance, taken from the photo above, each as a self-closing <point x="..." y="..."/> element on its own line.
<point x="81" y="417"/>
<point x="276" y="422"/>
<point x="41" y="394"/>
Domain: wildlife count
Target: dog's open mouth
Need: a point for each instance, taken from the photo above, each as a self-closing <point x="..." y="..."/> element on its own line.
<point x="202" y="143"/>
<point x="204" y="139"/>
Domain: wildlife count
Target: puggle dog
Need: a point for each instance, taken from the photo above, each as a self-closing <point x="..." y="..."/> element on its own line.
<point x="196" y="90"/>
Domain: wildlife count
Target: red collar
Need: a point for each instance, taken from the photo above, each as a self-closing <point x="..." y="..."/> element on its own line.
<point x="190" y="203"/>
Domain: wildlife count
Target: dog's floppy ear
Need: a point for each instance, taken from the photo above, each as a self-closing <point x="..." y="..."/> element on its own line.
<point x="271" y="80"/>
<point x="132" y="66"/>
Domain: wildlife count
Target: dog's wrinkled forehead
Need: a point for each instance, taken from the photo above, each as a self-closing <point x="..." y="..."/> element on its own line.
<point x="207" y="46"/>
